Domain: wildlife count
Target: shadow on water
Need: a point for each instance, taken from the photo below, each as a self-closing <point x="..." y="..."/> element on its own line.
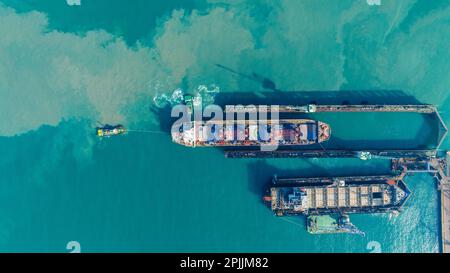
<point x="260" y="172"/>
<point x="340" y="97"/>
<point x="265" y="82"/>
<point x="164" y="117"/>
<point x="307" y="97"/>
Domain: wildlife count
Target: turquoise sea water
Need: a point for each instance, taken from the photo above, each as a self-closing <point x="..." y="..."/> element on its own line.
<point x="64" y="67"/>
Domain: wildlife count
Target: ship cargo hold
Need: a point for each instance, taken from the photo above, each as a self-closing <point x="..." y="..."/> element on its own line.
<point x="240" y="133"/>
<point x="337" y="195"/>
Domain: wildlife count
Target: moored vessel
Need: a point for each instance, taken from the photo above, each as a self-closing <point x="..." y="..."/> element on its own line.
<point x="336" y="195"/>
<point x="237" y="133"/>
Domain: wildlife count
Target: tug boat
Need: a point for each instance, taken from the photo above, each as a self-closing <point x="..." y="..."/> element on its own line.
<point x="111" y="130"/>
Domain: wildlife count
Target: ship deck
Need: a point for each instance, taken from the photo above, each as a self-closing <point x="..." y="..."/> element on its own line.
<point x="322" y="224"/>
<point x="346" y="197"/>
<point x="445" y="211"/>
<point x="359" y="193"/>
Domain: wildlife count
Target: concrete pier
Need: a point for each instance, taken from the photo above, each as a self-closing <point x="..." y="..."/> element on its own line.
<point x="440" y="169"/>
<point x="445" y="217"/>
<point x="388" y="154"/>
<point x="425" y="109"/>
<point x="445" y="208"/>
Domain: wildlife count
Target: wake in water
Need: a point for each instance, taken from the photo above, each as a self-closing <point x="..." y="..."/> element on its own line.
<point x="205" y="94"/>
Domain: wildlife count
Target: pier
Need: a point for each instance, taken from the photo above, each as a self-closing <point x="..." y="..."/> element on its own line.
<point x="439" y="167"/>
<point x="330" y="154"/>
<point x="312" y="108"/>
<point x="445" y="208"/>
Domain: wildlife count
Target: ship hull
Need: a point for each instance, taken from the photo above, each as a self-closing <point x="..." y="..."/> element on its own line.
<point x="248" y="133"/>
<point x="323" y="196"/>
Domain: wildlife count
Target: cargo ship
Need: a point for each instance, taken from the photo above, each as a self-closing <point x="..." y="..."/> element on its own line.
<point x="248" y="133"/>
<point x="337" y="195"/>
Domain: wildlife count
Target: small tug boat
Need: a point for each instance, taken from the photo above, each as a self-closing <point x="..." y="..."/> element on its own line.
<point x="111" y="130"/>
<point x="331" y="224"/>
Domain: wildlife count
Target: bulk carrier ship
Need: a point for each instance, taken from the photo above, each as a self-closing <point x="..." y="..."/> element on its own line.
<point x="338" y="195"/>
<point x="248" y="133"/>
<point x="327" y="201"/>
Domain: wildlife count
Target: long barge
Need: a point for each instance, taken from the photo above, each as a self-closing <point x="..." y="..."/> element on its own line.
<point x="337" y="195"/>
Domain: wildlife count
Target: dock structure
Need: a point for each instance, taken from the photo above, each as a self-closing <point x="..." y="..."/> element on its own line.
<point x="377" y="108"/>
<point x="439" y="167"/>
<point x="330" y="154"/>
<point x="445" y="217"/>
<point x="445" y="207"/>
<point x="311" y="108"/>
